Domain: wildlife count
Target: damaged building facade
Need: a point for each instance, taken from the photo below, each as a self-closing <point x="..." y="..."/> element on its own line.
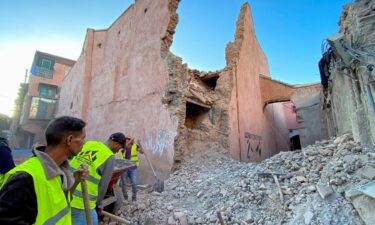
<point x="127" y="80"/>
<point x="347" y="72"/>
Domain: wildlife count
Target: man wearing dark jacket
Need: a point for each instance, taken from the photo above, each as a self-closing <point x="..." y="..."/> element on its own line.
<point x="37" y="191"/>
<point x="6" y="159"/>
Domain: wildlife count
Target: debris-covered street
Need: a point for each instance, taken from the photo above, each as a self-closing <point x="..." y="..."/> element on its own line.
<point x="178" y="112"/>
<point x="318" y="186"/>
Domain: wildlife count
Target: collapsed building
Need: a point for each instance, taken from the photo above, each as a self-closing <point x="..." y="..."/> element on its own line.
<point x="347" y="72"/>
<point x="127" y="80"/>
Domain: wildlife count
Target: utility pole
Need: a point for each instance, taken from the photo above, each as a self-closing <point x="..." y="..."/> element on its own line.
<point x="26" y="76"/>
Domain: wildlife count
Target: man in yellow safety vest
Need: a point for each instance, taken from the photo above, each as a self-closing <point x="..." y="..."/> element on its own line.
<point x="38" y="190"/>
<point x="99" y="158"/>
<point x="130" y="152"/>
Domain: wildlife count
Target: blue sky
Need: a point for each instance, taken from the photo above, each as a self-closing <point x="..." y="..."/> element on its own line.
<point x="289" y="31"/>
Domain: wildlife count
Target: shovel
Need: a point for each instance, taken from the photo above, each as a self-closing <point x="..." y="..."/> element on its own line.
<point x="86" y="202"/>
<point x="159" y="184"/>
<point x="117" y="218"/>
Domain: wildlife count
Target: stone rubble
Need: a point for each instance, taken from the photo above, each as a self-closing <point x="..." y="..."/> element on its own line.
<point x="318" y="188"/>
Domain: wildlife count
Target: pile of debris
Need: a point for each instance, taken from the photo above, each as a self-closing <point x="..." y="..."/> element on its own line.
<point x="314" y="186"/>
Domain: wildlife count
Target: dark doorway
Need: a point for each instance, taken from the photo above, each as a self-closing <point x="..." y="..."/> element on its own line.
<point x="295" y="143"/>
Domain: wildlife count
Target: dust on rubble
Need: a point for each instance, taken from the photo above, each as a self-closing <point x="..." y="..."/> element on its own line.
<point x="315" y="187"/>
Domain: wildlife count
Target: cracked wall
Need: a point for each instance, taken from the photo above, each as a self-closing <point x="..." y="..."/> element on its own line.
<point x="127" y="80"/>
<point x="256" y="131"/>
<point x="119" y="80"/>
<point x="349" y="105"/>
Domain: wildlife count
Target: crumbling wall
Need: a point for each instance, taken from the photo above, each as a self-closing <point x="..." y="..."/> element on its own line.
<point x="121" y="76"/>
<point x="174" y="100"/>
<point x="349" y="94"/>
<point x="203" y="106"/>
<point x="127" y="80"/>
<point x="257" y="119"/>
<point x="194" y="97"/>
<point x="251" y="137"/>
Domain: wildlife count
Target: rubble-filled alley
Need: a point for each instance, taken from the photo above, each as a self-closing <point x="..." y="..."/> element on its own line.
<point x="232" y="146"/>
<point x="319" y="186"/>
<point x="212" y="127"/>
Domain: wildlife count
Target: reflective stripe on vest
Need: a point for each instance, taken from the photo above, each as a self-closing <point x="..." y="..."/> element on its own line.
<point x="52" y="205"/>
<point x="93" y="154"/>
<point x="90" y="178"/>
<point x="134" y="155"/>
<point x="122" y="154"/>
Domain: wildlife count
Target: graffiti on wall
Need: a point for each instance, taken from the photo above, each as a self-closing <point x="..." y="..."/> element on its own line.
<point x="253" y="143"/>
<point x="161" y="141"/>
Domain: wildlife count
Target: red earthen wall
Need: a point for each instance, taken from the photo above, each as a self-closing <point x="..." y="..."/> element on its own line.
<point x="124" y="77"/>
<point x="256" y="132"/>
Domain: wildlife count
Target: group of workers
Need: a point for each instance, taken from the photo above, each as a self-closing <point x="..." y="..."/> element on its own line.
<point x="44" y="189"/>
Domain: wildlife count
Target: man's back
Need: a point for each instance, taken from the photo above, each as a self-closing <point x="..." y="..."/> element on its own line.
<point x="6" y="159"/>
<point x="100" y="161"/>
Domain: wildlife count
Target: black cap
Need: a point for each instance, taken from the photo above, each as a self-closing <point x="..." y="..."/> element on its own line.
<point x="119" y="138"/>
<point x="4" y="141"/>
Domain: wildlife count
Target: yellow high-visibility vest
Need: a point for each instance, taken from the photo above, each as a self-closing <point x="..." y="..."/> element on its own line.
<point x="93" y="154"/>
<point x="1" y="178"/>
<point x="133" y="154"/>
<point x="53" y="207"/>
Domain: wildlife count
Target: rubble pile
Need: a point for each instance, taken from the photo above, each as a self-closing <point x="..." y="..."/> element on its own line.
<point x="317" y="185"/>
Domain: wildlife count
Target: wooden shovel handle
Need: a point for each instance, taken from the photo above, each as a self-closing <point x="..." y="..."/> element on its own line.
<point x="114" y="217"/>
<point x="86" y="202"/>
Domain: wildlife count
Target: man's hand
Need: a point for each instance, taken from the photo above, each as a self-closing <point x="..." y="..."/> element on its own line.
<point x="81" y="173"/>
<point x="139" y="149"/>
<point x="129" y="142"/>
<point x="99" y="210"/>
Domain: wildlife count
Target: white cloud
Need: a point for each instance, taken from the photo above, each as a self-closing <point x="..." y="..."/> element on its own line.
<point x="17" y="55"/>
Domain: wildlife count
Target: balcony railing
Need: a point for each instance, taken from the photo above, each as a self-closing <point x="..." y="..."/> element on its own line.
<point x="42" y="72"/>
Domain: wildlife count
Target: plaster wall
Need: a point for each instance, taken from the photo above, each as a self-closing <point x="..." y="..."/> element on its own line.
<point x="253" y="129"/>
<point x="234" y="130"/>
<point x="124" y="77"/>
<point x="342" y="103"/>
<point x="279" y="127"/>
<point x="312" y="126"/>
<point x="350" y="89"/>
<point x="290" y="115"/>
<point x="73" y="90"/>
<point x="127" y="80"/>
<point x="274" y="91"/>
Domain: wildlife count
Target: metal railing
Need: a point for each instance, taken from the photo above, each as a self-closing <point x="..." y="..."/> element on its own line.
<point x="42" y="72"/>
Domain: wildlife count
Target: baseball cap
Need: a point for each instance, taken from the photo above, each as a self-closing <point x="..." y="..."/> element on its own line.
<point x="4" y="141"/>
<point x="118" y="137"/>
